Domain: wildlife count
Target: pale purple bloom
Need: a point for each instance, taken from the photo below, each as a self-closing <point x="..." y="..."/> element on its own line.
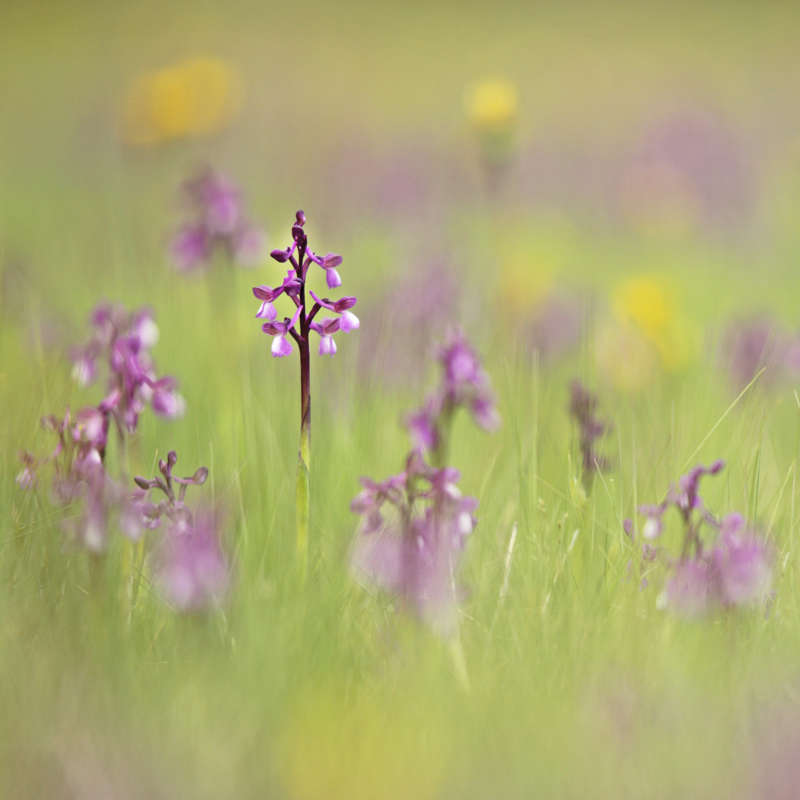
<point x="218" y="223"/>
<point x="190" y="566"/>
<point x="464" y="384"/>
<point x="165" y="400"/>
<point x="735" y="571"/>
<point x="191" y="247"/>
<point x="280" y="344"/>
<point x="26" y="478"/>
<point x="690" y="591"/>
<point x="79" y="476"/>
<point x="414" y="528"/>
<point x="123" y="340"/>
<point x="423" y="426"/>
<point x="743" y="563"/>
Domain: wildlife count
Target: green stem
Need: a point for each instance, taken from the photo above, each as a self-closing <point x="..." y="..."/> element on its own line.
<point x="303" y="497"/>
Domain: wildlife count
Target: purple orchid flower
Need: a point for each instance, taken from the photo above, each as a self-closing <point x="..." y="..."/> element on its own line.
<point x="79" y="477"/>
<point x="735" y="572"/>
<point x="190" y="566"/>
<point x="299" y="327"/>
<point x="464" y="384"/>
<point x="123" y="340"/>
<point x="218" y="224"/>
<point x="413" y="532"/>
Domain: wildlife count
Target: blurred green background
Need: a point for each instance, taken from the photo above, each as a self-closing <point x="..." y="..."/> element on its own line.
<point x="650" y="168"/>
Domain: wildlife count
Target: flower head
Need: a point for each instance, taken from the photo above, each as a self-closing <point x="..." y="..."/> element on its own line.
<point x="190" y="566"/>
<point x="122" y="340"/>
<point x="735" y="571"/>
<point x="300" y="257"/>
<point x="414" y="528"/>
<point x="194" y="97"/>
<point x="218" y="223"/>
<point x="492" y="105"/>
<point x="464" y="384"/>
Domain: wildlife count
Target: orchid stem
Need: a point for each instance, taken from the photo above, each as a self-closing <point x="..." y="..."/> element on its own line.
<point x="303" y="510"/>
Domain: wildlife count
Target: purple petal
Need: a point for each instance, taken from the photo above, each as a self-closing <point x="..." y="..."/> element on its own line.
<point x="267" y="311"/>
<point x="333" y="279"/>
<point x="349" y="321"/>
<point x="281" y="346"/>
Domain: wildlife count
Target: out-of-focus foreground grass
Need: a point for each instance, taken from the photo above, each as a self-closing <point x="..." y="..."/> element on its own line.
<point x="579" y="685"/>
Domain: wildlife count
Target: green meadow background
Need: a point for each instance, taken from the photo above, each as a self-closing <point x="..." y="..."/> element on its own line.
<point x="579" y="686"/>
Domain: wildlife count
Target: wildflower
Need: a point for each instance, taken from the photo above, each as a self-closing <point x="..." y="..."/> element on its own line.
<point x="218" y="224"/>
<point x="194" y="97"/>
<point x="464" y="384"/>
<point x="582" y="409"/>
<point x="413" y="532"/>
<point x="26" y="478"/>
<point x="491" y="105"/>
<point x="190" y="566"/>
<point x="735" y="571"/>
<point x="79" y="476"/>
<point x="649" y="308"/>
<point x="742" y="563"/>
<point x="298" y="328"/>
<point x="123" y="340"/>
<point x="492" y="110"/>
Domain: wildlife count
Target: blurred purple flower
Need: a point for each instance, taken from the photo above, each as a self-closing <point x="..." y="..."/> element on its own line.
<point x="189" y="563"/>
<point x="79" y="478"/>
<point x="464" y="384"/>
<point x="413" y="531"/>
<point x="218" y="223"/>
<point x="123" y="340"/>
<point x="735" y="572"/>
<point x="583" y="410"/>
<point x="190" y="566"/>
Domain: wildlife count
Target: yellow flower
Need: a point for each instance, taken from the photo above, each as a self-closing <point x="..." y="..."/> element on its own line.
<point x="649" y="305"/>
<point x="492" y="105"/>
<point x="195" y="97"/>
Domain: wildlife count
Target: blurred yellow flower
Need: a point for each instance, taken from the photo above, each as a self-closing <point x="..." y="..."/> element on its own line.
<point x="648" y="305"/>
<point x="625" y="357"/>
<point x="194" y="97"/>
<point x="492" y="105"/>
